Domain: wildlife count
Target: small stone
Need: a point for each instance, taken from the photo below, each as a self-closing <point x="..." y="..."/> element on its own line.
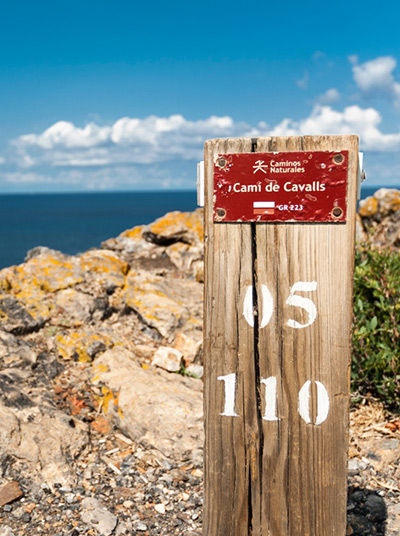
<point x="101" y="425"/>
<point x="376" y="507"/>
<point x="141" y="527"/>
<point x="168" y="359"/>
<point x="95" y="514"/>
<point x="26" y="517"/>
<point x="6" y="531"/>
<point x="354" y="466"/>
<point x="10" y="492"/>
<point x="189" y="348"/>
<point x="123" y="529"/>
<point x="197" y="473"/>
<point x="160" y="508"/>
<point x="195" y="370"/>
<point x="70" y="498"/>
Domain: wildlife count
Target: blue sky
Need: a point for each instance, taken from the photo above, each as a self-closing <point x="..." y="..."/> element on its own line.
<point x="121" y="95"/>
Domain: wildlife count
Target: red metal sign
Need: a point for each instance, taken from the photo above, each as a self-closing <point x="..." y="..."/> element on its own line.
<point x="281" y="187"/>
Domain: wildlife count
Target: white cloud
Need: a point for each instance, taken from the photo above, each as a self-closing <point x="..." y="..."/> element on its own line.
<point x="128" y="140"/>
<point x="157" y="141"/>
<point x="352" y="120"/>
<point x="66" y="134"/>
<point x="330" y="95"/>
<point x="376" y="77"/>
<point x="26" y="177"/>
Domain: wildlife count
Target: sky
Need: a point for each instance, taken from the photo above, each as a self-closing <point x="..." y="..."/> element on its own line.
<point x="101" y="95"/>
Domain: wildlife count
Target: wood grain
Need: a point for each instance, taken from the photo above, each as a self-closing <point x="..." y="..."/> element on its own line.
<point x="285" y="477"/>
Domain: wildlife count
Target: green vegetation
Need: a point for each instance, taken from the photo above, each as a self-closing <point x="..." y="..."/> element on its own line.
<point x="375" y="367"/>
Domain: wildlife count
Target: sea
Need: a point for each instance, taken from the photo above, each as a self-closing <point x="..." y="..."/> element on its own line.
<point x="75" y="222"/>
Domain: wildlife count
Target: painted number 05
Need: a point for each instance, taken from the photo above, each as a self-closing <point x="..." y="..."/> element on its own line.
<point x="293" y="299"/>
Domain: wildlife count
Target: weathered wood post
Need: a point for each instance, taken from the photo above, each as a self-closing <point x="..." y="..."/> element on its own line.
<point x="279" y="230"/>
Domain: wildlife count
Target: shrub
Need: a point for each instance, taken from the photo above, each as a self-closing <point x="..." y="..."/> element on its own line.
<point x="376" y="339"/>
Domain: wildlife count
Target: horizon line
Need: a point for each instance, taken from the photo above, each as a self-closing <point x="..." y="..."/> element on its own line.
<point x="164" y="190"/>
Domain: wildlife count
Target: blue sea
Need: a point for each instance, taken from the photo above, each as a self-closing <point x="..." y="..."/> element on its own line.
<point x="75" y="222"/>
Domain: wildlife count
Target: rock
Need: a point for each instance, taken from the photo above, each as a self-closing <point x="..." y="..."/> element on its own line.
<point x="141" y="527"/>
<point x="15" y="319"/>
<point x="82" y="345"/>
<point x="173" y="242"/>
<point x="6" y="531"/>
<point x="34" y="282"/>
<point x="42" y="440"/>
<point x="73" y="307"/>
<point x="15" y="351"/>
<point x="95" y="514"/>
<point x="49" y="271"/>
<point x="101" y="425"/>
<point x="159" y="304"/>
<point x="376" y="507"/>
<point x="388" y="199"/>
<point x="354" y="466"/>
<point x="197" y="371"/>
<point x="123" y="529"/>
<point x="41" y="250"/>
<point x="190" y="349"/>
<point x="168" y="359"/>
<point x="380" y="219"/>
<point x="150" y="404"/>
<point x="102" y="268"/>
<point x="160" y="508"/>
<point x="368" y="207"/>
<point x="186" y="227"/>
<point x="10" y="492"/>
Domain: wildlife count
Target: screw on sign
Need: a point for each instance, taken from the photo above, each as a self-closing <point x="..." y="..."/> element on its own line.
<point x="279" y="212"/>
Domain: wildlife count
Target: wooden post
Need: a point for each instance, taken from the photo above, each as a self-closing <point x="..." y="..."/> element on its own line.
<point x="276" y="392"/>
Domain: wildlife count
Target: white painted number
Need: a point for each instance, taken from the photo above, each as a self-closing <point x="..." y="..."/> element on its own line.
<point x="322" y="399"/>
<point x="304" y="303"/>
<point x="270" y="399"/>
<point x="268" y="304"/>
<point x="270" y="413"/>
<point x="230" y="391"/>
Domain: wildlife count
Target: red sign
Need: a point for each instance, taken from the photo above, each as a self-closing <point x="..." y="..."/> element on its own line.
<point x="281" y="187"/>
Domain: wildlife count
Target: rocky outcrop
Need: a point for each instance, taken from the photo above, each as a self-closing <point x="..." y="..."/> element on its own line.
<point x="79" y="337"/>
<point x="151" y="404"/>
<point x="378" y="221"/>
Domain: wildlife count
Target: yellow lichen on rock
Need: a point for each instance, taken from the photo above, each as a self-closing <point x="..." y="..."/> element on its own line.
<point x="135" y="232"/>
<point x="46" y="272"/>
<point x="80" y="345"/>
<point x="105" y="265"/>
<point x="155" y="302"/>
<point x="389" y="200"/>
<point x="368" y="207"/>
<point x="108" y="397"/>
<point x="175" y="223"/>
